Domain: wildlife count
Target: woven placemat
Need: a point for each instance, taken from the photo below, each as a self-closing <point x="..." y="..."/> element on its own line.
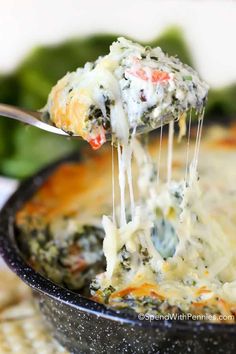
<point x="22" y="328"/>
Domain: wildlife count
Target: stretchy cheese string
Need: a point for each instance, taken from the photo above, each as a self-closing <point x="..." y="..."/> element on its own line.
<point x="113" y="183"/>
<point x="122" y="183"/>
<point x="201" y="117"/>
<point x="198" y="140"/>
<point x="129" y="178"/>
<point x="170" y="151"/>
<point x="188" y="146"/>
<point x="159" y="153"/>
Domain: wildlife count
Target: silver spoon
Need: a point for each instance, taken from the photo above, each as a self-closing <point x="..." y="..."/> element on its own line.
<point x="36" y="119"/>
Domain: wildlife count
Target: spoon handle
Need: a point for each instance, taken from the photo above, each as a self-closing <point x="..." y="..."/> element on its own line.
<point x="28" y="117"/>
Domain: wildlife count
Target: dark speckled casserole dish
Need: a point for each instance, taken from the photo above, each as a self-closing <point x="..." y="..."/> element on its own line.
<point x="82" y="325"/>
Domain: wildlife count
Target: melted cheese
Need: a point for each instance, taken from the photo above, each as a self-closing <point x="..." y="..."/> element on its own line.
<point x="131" y="87"/>
<point x="168" y="238"/>
<point x="202" y="267"/>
